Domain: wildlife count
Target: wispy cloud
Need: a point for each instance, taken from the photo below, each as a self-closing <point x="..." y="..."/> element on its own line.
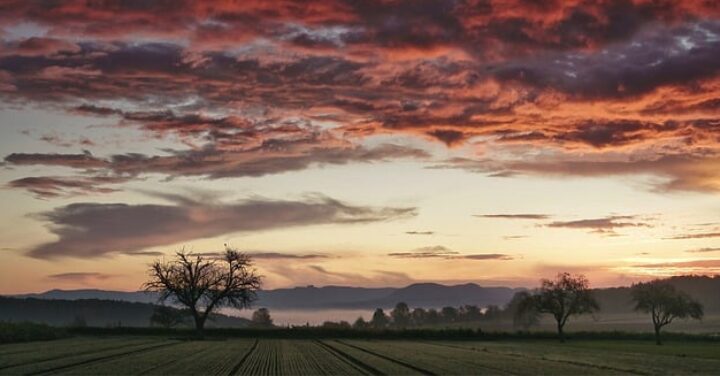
<point x="420" y="232"/>
<point x="317" y="274"/>
<point x="701" y="235"/>
<point x="513" y="237"/>
<point x="514" y="216"/>
<point x="443" y="252"/>
<point x="82" y="277"/>
<point x="288" y="256"/>
<point x="604" y="225"/>
<point x="50" y="187"/>
<point x="703" y="250"/>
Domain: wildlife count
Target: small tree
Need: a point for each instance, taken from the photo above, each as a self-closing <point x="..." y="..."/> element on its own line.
<point x="565" y="296"/>
<point x="379" y="319"/>
<point x="471" y="313"/>
<point x="342" y="325"/>
<point x="204" y="284"/>
<point x="492" y="312"/>
<point x="401" y="315"/>
<point x="360" y="324"/>
<point x="664" y="304"/>
<point x="523" y="311"/>
<point x="261" y="318"/>
<point x="432" y="316"/>
<point x="449" y="314"/>
<point x="167" y="317"/>
<point x="418" y="316"/>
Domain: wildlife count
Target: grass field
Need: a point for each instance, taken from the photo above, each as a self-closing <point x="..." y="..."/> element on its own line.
<point x="156" y="356"/>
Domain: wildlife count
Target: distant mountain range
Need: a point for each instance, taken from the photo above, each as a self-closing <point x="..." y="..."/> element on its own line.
<point x="426" y="295"/>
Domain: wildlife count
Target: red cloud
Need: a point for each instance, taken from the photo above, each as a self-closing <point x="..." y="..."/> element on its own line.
<point x="252" y="87"/>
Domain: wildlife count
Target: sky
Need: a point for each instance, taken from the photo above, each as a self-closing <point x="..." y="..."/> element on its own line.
<point x="363" y="143"/>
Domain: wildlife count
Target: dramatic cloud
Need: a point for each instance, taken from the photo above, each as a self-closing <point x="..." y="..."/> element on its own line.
<point x="514" y="216"/>
<point x="677" y="172"/>
<point x="79" y="161"/>
<point x="115" y="95"/>
<point x="97" y="229"/>
<point x="254" y="88"/>
<point x="658" y="57"/>
<point x="448" y="254"/>
<point x="272" y="157"/>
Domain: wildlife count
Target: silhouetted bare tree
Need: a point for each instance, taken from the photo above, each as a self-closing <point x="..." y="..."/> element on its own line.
<point x="565" y="296"/>
<point x="203" y="284"/>
<point x="664" y="303"/>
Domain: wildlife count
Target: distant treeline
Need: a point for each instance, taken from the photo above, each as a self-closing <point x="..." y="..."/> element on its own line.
<point x="91" y="312"/>
<point x="615" y="300"/>
<point x="28" y="331"/>
<point x="402" y="317"/>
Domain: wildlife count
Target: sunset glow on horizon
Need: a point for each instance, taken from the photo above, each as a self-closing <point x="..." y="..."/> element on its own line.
<point x="360" y="143"/>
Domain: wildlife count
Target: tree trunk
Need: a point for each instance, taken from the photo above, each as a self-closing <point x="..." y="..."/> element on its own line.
<point x="657" y="335"/>
<point x="199" y="325"/>
<point x="561" y="333"/>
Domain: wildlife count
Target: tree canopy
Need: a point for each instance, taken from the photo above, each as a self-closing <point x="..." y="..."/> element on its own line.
<point x="203" y="284"/>
<point x="664" y="303"/>
<point x="562" y="297"/>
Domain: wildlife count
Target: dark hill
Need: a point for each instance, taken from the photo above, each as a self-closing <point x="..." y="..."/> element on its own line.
<point x="94" y="312"/>
<point x="123" y="296"/>
<point x="312" y="297"/>
<point x="331" y="297"/>
<point x="703" y="288"/>
<point x="433" y="295"/>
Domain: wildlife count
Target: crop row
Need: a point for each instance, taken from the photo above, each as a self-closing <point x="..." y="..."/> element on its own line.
<point x="626" y="357"/>
<point x="52" y="357"/>
<point x="429" y="358"/>
<point x="277" y="357"/>
<point x="148" y="356"/>
<point x="42" y="351"/>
